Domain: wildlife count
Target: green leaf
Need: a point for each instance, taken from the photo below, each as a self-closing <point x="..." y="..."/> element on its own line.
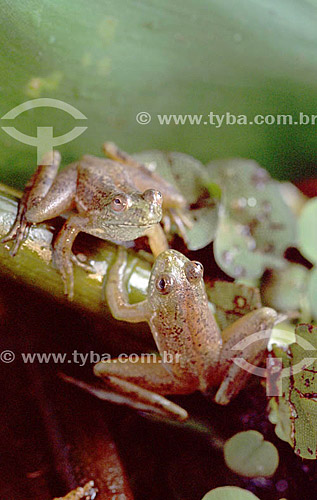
<point x="312" y="292"/>
<point x="307" y="230"/>
<point x="232" y="300"/>
<point x="298" y="387"/>
<point x="123" y="58"/>
<point x="247" y="454"/>
<point x="286" y="289"/>
<point x="214" y="190"/>
<point x="280" y="416"/>
<point x="293" y="197"/>
<point x="204" y="227"/>
<point x="255" y="224"/>
<point x="190" y="177"/>
<point x="229" y="493"/>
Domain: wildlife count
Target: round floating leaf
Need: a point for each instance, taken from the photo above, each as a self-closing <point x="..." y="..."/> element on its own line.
<point x="232" y="300"/>
<point x="255" y="224"/>
<point x="247" y="454"/>
<point x="204" y="228"/>
<point x="286" y="289"/>
<point x="307" y="231"/>
<point x="189" y="176"/>
<point x="236" y="251"/>
<point x="293" y="197"/>
<point x="312" y="292"/>
<point x="229" y="493"/>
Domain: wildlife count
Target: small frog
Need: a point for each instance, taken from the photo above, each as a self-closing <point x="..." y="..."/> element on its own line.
<point x="107" y="203"/>
<point x="185" y="331"/>
<point x="88" y="492"/>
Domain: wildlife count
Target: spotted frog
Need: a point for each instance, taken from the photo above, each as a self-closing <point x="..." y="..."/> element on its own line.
<point x="103" y="200"/>
<point x="193" y="354"/>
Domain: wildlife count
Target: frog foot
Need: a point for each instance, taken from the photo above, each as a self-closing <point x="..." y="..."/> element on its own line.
<point x="76" y="259"/>
<point x="181" y="221"/>
<point x="18" y="234"/>
<point x="62" y="261"/>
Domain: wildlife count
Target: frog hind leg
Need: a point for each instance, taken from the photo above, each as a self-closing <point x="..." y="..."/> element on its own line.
<point x="144" y="386"/>
<point x="42" y="199"/>
<point x="112" y="151"/>
<point x="138" y="385"/>
<point x="35" y="189"/>
<point x="245" y="344"/>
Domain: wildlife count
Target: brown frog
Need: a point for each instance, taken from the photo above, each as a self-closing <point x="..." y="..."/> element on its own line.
<point x="194" y="355"/>
<point x="106" y="203"/>
<point x="115" y="199"/>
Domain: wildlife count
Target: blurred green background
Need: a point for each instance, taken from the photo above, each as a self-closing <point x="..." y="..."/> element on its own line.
<point x="113" y="59"/>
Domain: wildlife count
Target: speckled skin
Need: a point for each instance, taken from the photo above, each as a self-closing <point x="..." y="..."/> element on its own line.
<point x="90" y="188"/>
<point x="183" y="327"/>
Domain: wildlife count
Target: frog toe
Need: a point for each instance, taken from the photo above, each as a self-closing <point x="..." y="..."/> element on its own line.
<point x="18" y="234"/>
<point x="76" y="259"/>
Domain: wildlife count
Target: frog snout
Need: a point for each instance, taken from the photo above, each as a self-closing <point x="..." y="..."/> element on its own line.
<point x="153" y="196"/>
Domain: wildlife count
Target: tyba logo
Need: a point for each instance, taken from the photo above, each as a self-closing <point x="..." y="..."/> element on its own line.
<point x="45" y="140"/>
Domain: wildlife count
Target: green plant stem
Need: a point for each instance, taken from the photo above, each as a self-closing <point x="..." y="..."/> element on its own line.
<point x="33" y="263"/>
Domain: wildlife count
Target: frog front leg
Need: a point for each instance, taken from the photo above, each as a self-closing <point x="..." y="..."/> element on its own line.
<point x="157" y="239"/>
<point x="246" y="339"/>
<point x="116" y="293"/>
<point x="63" y="257"/>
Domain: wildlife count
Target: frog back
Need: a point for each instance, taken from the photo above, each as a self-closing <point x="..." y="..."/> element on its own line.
<point x="98" y="179"/>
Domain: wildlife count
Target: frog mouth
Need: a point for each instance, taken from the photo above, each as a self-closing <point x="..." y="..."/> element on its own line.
<point x="128" y="224"/>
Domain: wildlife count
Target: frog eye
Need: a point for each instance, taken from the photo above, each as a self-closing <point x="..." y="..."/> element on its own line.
<point x="194" y="270"/>
<point x="164" y="284"/>
<point x="120" y="202"/>
<point x="153" y="196"/>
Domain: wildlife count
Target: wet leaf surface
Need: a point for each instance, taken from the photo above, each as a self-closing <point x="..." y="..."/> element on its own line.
<point x="312" y="292"/>
<point x="232" y="300"/>
<point x="286" y="289"/>
<point x="298" y="385"/>
<point x="248" y="454"/>
<point x="307" y="231"/>
<point x="255" y="224"/>
<point x="229" y="493"/>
